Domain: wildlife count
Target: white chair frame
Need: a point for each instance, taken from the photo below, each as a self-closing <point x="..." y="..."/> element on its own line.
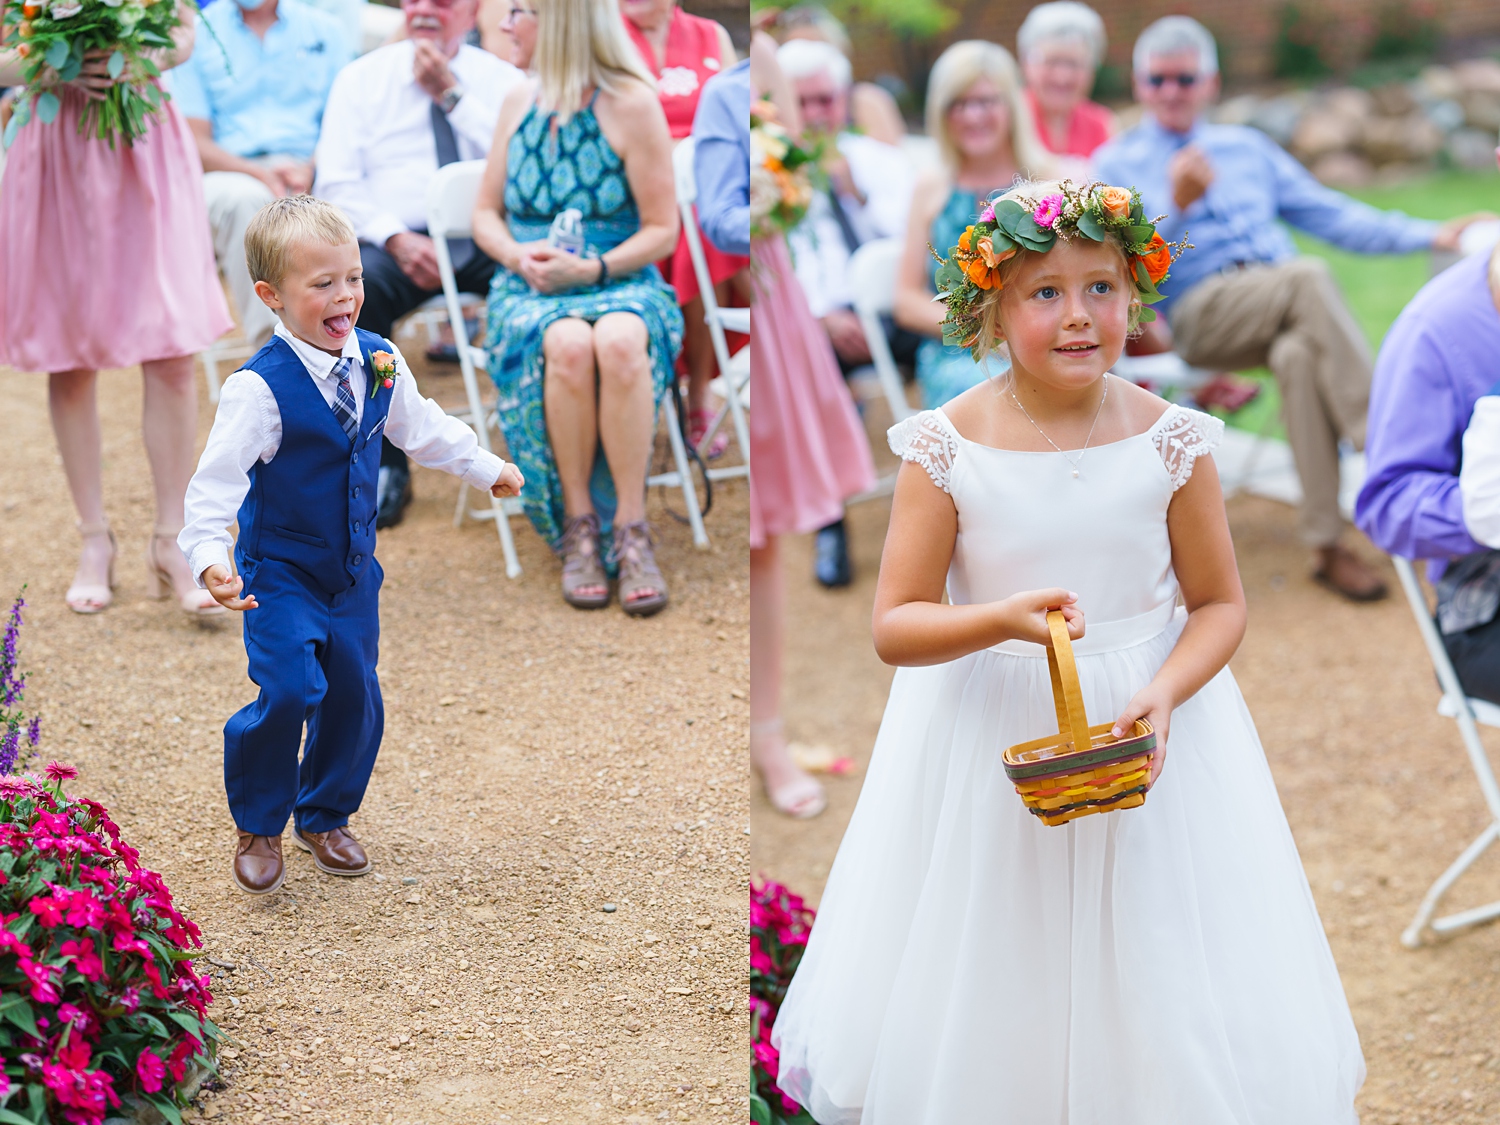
<point x="872" y="277"/>
<point x="450" y="210"/>
<point x="734" y="372"/>
<point x="1468" y="713"/>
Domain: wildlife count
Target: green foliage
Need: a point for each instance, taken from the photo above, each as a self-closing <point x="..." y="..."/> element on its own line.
<point x="1298" y="51"/>
<point x="921" y="19"/>
<point x="1404" y="30"/>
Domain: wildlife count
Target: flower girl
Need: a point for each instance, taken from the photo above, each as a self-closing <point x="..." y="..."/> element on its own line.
<point x="1159" y="965"/>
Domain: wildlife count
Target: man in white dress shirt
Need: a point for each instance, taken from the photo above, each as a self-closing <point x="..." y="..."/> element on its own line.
<point x="393" y="118"/>
<point x="870" y="196"/>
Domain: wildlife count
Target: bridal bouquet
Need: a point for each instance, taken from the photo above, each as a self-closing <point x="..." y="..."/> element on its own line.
<point x="52" y="37"/>
<point x="781" y="171"/>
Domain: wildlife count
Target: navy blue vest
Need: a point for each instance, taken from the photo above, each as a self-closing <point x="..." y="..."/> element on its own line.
<point x="313" y="505"/>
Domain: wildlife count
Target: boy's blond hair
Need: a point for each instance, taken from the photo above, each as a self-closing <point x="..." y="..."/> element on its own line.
<point x="282" y="223"/>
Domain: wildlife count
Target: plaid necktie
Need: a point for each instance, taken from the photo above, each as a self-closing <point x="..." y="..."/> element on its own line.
<point x="344" y="408"/>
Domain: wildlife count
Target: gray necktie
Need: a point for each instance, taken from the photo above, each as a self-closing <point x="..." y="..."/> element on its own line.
<point x="460" y="250"/>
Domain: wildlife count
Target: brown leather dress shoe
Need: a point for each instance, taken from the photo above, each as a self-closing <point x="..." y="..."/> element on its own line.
<point x="336" y="851"/>
<point x="1342" y="571"/>
<point x="258" y="869"/>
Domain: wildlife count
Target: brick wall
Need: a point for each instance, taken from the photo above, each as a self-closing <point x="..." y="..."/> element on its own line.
<point x="1246" y="30"/>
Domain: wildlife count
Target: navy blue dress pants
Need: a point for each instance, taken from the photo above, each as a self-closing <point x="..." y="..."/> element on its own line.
<point x="313" y="656"/>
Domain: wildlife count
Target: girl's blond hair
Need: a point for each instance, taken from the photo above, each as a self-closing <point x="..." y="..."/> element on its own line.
<point x="582" y="44"/>
<point x="958" y="68"/>
<point x="990" y="334"/>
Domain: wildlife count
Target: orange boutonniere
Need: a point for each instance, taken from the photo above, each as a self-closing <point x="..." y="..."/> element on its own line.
<point x="385" y="371"/>
<point x="1157" y="259"/>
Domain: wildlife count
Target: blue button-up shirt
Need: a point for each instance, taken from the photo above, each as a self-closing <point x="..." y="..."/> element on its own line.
<point x="721" y="159"/>
<point x="266" y="97"/>
<point x="1256" y="183"/>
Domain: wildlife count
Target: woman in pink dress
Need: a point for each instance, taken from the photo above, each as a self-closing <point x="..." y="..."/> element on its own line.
<point x="684" y="51"/>
<point x="1060" y="46"/>
<point x="106" y="262"/>
<point x="809" y="454"/>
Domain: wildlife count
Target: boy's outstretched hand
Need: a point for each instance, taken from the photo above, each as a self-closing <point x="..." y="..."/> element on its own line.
<point x="225" y="588"/>
<point x="510" y="484"/>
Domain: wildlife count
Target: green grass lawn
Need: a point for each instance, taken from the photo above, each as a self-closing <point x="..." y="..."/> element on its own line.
<point x="1380" y="285"/>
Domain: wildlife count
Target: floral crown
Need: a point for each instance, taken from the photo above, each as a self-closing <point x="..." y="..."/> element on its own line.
<point x="1096" y="211"/>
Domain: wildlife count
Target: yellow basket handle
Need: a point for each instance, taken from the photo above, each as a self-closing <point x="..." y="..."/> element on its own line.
<point x="1067" y="695"/>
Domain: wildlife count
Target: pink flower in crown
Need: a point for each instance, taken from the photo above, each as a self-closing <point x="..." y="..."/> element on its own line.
<point x="988" y="214"/>
<point x="1048" y="211"/>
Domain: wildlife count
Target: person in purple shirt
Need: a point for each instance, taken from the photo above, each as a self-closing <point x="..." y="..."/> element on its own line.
<point x="1439" y="359"/>
<point x="1243" y="297"/>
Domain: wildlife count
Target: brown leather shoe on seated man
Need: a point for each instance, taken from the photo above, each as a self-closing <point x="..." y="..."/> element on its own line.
<point x="1342" y="571"/>
<point x="258" y="869"/>
<point x="336" y="851"/>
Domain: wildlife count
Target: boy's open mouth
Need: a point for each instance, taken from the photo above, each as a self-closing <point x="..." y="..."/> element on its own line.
<point x="338" y="325"/>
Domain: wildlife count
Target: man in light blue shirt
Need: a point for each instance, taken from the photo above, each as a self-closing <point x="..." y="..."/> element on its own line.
<point x="255" y="107"/>
<point x="1243" y="297"/>
<point x="721" y="159"/>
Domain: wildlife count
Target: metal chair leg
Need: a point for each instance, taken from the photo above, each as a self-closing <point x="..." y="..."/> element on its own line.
<point x="685" y="472"/>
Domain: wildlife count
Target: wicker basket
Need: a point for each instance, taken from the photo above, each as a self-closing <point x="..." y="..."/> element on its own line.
<point x="1058" y="779"/>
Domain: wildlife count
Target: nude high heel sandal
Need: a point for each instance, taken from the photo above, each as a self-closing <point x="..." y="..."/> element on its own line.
<point x="195" y="602"/>
<point x="83" y="597"/>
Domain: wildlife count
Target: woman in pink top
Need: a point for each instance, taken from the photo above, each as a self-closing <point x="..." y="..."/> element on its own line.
<point x="106" y="261"/>
<point x="1060" y="46"/>
<point x="684" y="51"/>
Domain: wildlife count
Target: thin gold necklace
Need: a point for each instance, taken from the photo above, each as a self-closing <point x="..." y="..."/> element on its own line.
<point x="1054" y="444"/>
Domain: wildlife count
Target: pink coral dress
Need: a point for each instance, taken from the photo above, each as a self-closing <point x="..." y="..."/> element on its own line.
<point x="106" y="258"/>
<point x="807" y="445"/>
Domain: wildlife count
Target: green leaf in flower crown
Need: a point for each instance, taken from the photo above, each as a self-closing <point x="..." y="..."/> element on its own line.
<point x="1139" y="233"/>
<point x="1147" y="315"/>
<point x="955" y="335"/>
<point x="1033" y="237"/>
<point x="116" y="64"/>
<point x="46" y="108"/>
<point x="1137" y="212"/>
<point x="57" y="54"/>
<point x="1007" y="211"/>
<point x="949" y="277"/>
<point x="1000" y="242"/>
<point x="1089" y="227"/>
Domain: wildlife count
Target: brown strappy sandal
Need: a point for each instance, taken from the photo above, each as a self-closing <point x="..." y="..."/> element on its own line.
<point x="582" y="566"/>
<point x="638" y="570"/>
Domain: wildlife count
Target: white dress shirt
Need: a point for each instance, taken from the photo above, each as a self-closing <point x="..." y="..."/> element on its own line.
<point x="1479" y="478"/>
<point x="376" y="152"/>
<point x="821" y="256"/>
<point x="247" y="429"/>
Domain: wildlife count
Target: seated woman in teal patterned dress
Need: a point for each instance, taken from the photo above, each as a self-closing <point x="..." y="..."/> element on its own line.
<point x="582" y="345"/>
<point x="986" y="137"/>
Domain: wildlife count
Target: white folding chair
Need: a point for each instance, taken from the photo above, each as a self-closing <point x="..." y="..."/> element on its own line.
<point x="1469" y="713"/>
<point x="872" y="277"/>
<point x="450" y="211"/>
<point x="734" y="372"/>
<point x="227" y="349"/>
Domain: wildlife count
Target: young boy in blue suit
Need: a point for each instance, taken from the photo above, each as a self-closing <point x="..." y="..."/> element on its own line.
<point x="293" y="456"/>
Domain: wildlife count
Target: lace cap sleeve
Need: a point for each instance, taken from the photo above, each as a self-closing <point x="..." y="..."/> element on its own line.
<point x="926" y="441"/>
<point x="1181" y="437"/>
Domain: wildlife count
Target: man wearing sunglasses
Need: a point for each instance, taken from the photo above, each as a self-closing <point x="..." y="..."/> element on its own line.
<point x="1243" y="297"/>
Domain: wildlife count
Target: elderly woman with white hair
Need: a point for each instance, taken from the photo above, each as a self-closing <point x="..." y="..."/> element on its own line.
<point x="984" y="131"/>
<point x="1060" y="46"/>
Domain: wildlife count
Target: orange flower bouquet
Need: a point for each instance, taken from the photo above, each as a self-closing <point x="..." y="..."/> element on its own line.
<point x="781" y="174"/>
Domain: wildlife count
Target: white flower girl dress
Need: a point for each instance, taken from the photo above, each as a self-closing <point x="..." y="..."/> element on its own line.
<point x="969" y="965"/>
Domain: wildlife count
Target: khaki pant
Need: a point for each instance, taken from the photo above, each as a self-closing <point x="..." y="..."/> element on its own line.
<point x="1290" y="317"/>
<point x="233" y="198"/>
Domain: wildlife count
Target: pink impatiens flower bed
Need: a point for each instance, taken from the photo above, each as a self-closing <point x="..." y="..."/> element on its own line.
<point x="779" y="924"/>
<point x="100" y="1009"/>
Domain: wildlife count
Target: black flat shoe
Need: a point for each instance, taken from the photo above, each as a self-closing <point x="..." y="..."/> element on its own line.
<point x="831" y="566"/>
<point x="393" y="495"/>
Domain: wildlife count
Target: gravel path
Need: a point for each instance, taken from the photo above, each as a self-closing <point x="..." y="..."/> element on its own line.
<point x="538" y="763"/>
<point x="1376" y="786"/>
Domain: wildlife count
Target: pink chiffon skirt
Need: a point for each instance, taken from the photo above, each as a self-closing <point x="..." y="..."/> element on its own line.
<point x="106" y="258"/>
<point x="807" y="445"/>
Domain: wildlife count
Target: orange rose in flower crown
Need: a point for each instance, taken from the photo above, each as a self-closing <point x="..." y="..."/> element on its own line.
<point x="1031" y="218"/>
<point x="1157" y="258"/>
